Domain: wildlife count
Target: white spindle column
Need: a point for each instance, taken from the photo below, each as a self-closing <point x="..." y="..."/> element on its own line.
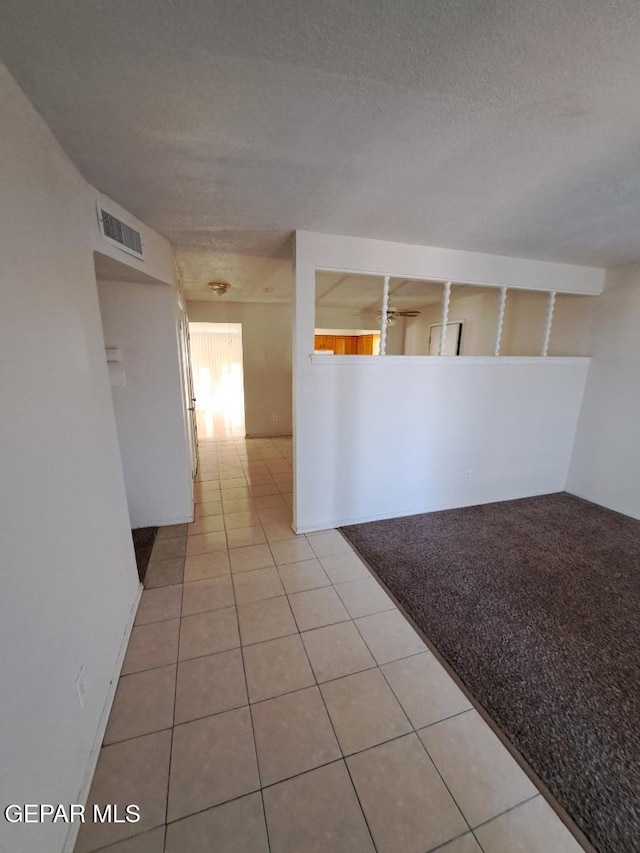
<point x="445" y="316"/>
<point x="503" y="303"/>
<point x="383" y="316"/>
<point x="549" y="322"/>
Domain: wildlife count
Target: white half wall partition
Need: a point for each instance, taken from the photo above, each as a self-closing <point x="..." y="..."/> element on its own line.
<point x="377" y="437"/>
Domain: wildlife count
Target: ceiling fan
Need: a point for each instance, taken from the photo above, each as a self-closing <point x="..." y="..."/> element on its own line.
<point x="393" y="314"/>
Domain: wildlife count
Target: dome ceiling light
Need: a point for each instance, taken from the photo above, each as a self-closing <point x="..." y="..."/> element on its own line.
<point x="219" y="287"/>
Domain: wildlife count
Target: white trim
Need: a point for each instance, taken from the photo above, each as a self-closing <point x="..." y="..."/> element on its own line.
<point x="621" y="510"/>
<point x="420" y="510"/>
<point x="85" y="787"/>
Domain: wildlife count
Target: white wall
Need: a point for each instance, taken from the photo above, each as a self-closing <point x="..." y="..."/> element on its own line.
<point x="387" y="436"/>
<point x="266" y="344"/>
<point x="69" y="581"/>
<point x="605" y="467"/>
<point x="394" y="436"/>
<point x="141" y="321"/>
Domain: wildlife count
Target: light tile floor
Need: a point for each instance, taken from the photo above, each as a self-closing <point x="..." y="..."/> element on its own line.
<point x="273" y="698"/>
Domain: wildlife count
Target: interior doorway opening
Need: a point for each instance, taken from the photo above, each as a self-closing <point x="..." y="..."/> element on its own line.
<point x="218" y="379"/>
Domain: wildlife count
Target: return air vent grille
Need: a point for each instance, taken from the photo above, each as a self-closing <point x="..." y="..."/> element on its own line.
<point x="118" y="232"/>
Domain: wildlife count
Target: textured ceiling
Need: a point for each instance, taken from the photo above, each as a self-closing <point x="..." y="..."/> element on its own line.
<point x="503" y="126"/>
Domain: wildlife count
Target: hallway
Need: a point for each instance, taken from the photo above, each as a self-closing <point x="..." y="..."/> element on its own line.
<point x="273" y="698"/>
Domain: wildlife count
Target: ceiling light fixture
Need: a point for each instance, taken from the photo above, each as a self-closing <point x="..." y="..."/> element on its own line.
<point x="219" y="287"/>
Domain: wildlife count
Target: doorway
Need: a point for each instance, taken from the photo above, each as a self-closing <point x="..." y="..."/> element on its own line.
<point x="218" y="379"/>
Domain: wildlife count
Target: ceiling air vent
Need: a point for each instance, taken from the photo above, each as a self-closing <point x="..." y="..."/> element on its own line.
<point x="119" y="233"/>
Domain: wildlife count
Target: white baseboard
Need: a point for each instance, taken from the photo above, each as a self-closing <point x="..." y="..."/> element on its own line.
<point x="83" y="794"/>
<point x="345" y="522"/>
<point x="621" y="509"/>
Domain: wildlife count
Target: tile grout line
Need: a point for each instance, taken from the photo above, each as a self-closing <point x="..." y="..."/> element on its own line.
<point x="253" y="730"/>
<point x="335" y="734"/>
<point x="173" y="715"/>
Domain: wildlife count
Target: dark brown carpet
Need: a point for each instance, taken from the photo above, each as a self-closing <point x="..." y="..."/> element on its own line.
<point x="143" y="539"/>
<point x="535" y="604"/>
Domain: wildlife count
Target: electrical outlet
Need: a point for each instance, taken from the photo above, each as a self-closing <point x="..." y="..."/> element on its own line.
<point x="274" y="418"/>
<point x="81" y="687"/>
<point x="467" y="475"/>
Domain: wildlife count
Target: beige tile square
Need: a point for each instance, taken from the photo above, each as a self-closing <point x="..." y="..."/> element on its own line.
<point x="317" y="812"/>
<point x="463" y="844"/>
<point x="307" y="574"/>
<point x="241" y="505"/>
<point x="278" y="465"/>
<point x="168" y="549"/>
<point x="212" y="760"/>
<point x="260" y="478"/>
<point x="389" y="636"/>
<point x="235" y="520"/>
<point x="148" y="842"/>
<point x="232" y="478"/>
<point x="133" y="771"/>
<point x="211" y="565"/>
<point x="164" y="573"/>
<point x="234" y="494"/>
<point x="208" y="633"/>
<point x="363" y="710"/>
<point x="261" y="485"/>
<point x="268" y="501"/>
<point x="405" y="801"/>
<point x="327" y="543"/>
<point x="276" y="667"/>
<point x="206" y="473"/>
<point x="424" y="689"/>
<point x="250" y="557"/>
<point x="344" y="567"/>
<point x="202" y="543"/>
<point x="159" y="604"/>
<point x="256" y="585"/>
<point x="482" y="776"/>
<point x="293" y="733"/>
<point x="317" y="607"/>
<point x="242" y="536"/>
<point x="278" y="513"/>
<point x="208" y="594"/>
<point x="152" y="645"/>
<point x="172" y="531"/>
<point x="207" y="524"/>
<point x="291" y="551"/>
<point x="530" y="828"/>
<point x="265" y="620"/>
<point x="235" y="827"/>
<point x="363" y="597"/>
<point x="208" y="507"/>
<point x="279" y="531"/>
<point x="336" y="650"/>
<point x="255" y="466"/>
<point x="210" y="685"/>
<point x="284" y="480"/>
<point x="207" y="487"/>
<point x="143" y="704"/>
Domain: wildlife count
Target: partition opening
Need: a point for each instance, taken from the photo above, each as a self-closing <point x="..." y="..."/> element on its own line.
<point x="218" y="379"/>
